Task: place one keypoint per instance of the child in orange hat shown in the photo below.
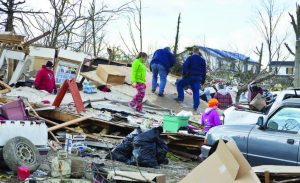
(211, 118)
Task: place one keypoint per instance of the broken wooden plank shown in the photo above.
(186, 145)
(66, 116)
(68, 123)
(184, 154)
(113, 136)
(54, 137)
(4, 85)
(99, 144)
(173, 138)
(4, 91)
(67, 128)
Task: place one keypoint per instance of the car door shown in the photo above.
(278, 143)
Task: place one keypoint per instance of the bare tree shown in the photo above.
(177, 68)
(134, 24)
(296, 27)
(269, 17)
(259, 53)
(92, 32)
(14, 9)
(67, 19)
(177, 35)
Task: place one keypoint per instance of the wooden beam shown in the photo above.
(64, 116)
(10, 68)
(54, 137)
(4, 91)
(68, 123)
(267, 177)
(67, 128)
(4, 85)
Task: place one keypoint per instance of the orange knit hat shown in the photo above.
(213, 102)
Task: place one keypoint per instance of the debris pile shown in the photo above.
(87, 118)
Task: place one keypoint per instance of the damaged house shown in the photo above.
(224, 60)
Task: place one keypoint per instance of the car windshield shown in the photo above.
(286, 119)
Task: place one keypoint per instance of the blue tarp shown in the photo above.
(226, 54)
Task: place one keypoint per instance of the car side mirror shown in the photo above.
(260, 122)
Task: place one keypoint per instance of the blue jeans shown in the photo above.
(158, 69)
(195, 83)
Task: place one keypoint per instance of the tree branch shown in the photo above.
(293, 23)
(289, 49)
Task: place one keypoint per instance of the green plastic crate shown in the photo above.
(173, 123)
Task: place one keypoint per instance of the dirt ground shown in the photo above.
(174, 170)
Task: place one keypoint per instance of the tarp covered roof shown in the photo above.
(226, 54)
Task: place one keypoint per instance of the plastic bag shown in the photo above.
(123, 151)
(145, 148)
(161, 152)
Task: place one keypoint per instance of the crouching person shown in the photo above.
(210, 117)
(45, 80)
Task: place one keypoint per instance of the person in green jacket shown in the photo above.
(138, 79)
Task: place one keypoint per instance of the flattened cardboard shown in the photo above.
(158, 178)
(225, 165)
(110, 74)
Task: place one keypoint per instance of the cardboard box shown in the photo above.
(110, 74)
(226, 165)
(158, 178)
(74, 141)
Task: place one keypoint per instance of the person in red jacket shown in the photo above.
(45, 80)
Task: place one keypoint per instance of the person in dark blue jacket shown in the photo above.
(194, 74)
(160, 64)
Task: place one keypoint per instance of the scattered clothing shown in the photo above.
(104, 88)
(244, 97)
(207, 93)
(224, 98)
(45, 80)
(253, 90)
(210, 118)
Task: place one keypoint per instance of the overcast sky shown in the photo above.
(221, 24)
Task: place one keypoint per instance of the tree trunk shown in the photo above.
(297, 65)
(296, 26)
(140, 22)
(57, 22)
(260, 52)
(177, 35)
(9, 26)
